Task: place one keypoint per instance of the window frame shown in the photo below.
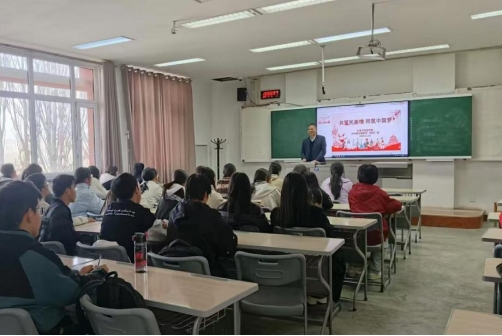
(74, 102)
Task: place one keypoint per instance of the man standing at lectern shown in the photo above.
(314, 147)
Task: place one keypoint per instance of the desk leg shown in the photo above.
(495, 298)
(364, 273)
(237, 318)
(419, 225)
(330, 299)
(196, 325)
(393, 249)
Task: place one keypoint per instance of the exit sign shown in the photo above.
(271, 94)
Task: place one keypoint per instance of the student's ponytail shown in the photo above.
(336, 182)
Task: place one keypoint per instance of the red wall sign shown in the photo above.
(271, 94)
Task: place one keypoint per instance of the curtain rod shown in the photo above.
(49, 53)
(150, 71)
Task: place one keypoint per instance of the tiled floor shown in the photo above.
(443, 272)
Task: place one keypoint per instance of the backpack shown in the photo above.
(110, 292)
(180, 249)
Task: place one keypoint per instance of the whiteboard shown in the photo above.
(256, 134)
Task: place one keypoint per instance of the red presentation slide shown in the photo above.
(369, 130)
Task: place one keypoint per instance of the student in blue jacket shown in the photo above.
(34, 278)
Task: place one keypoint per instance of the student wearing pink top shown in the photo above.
(337, 186)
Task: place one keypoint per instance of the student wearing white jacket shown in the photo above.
(215, 199)
(96, 186)
(151, 190)
(267, 194)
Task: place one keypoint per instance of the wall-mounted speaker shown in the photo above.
(242, 94)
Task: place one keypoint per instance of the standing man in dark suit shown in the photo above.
(314, 147)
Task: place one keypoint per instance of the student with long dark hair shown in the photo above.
(366, 197)
(337, 186)
(151, 190)
(319, 196)
(239, 212)
(172, 193)
(137, 171)
(267, 194)
(296, 210)
(222, 185)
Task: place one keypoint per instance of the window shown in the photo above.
(47, 111)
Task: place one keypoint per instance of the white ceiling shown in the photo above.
(57, 25)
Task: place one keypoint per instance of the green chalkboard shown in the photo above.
(441, 127)
(289, 128)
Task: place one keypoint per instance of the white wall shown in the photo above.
(474, 183)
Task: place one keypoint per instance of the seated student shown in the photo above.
(366, 197)
(57, 223)
(40, 181)
(151, 190)
(137, 171)
(222, 185)
(239, 211)
(267, 194)
(126, 216)
(337, 186)
(275, 170)
(297, 211)
(86, 199)
(319, 197)
(196, 223)
(34, 168)
(34, 278)
(301, 169)
(173, 193)
(9, 174)
(215, 198)
(96, 186)
(110, 174)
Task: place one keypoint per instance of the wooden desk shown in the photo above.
(89, 228)
(317, 246)
(490, 274)
(342, 207)
(494, 218)
(351, 223)
(289, 244)
(71, 262)
(400, 191)
(183, 292)
(463, 322)
(492, 236)
(406, 199)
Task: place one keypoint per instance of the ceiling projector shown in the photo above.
(372, 51)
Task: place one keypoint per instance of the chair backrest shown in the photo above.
(55, 246)
(105, 321)
(271, 270)
(15, 321)
(198, 265)
(300, 231)
(116, 253)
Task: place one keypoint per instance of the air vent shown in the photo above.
(225, 79)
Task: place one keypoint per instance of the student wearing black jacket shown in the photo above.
(319, 196)
(239, 212)
(296, 210)
(126, 216)
(57, 224)
(200, 226)
(34, 278)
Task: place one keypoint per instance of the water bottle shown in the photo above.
(140, 260)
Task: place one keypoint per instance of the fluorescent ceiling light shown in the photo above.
(406, 51)
(351, 35)
(342, 59)
(282, 46)
(219, 19)
(290, 5)
(486, 15)
(190, 60)
(102, 43)
(293, 66)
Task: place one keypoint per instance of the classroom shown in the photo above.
(272, 167)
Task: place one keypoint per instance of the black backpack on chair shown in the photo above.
(111, 292)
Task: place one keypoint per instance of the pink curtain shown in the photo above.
(161, 119)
